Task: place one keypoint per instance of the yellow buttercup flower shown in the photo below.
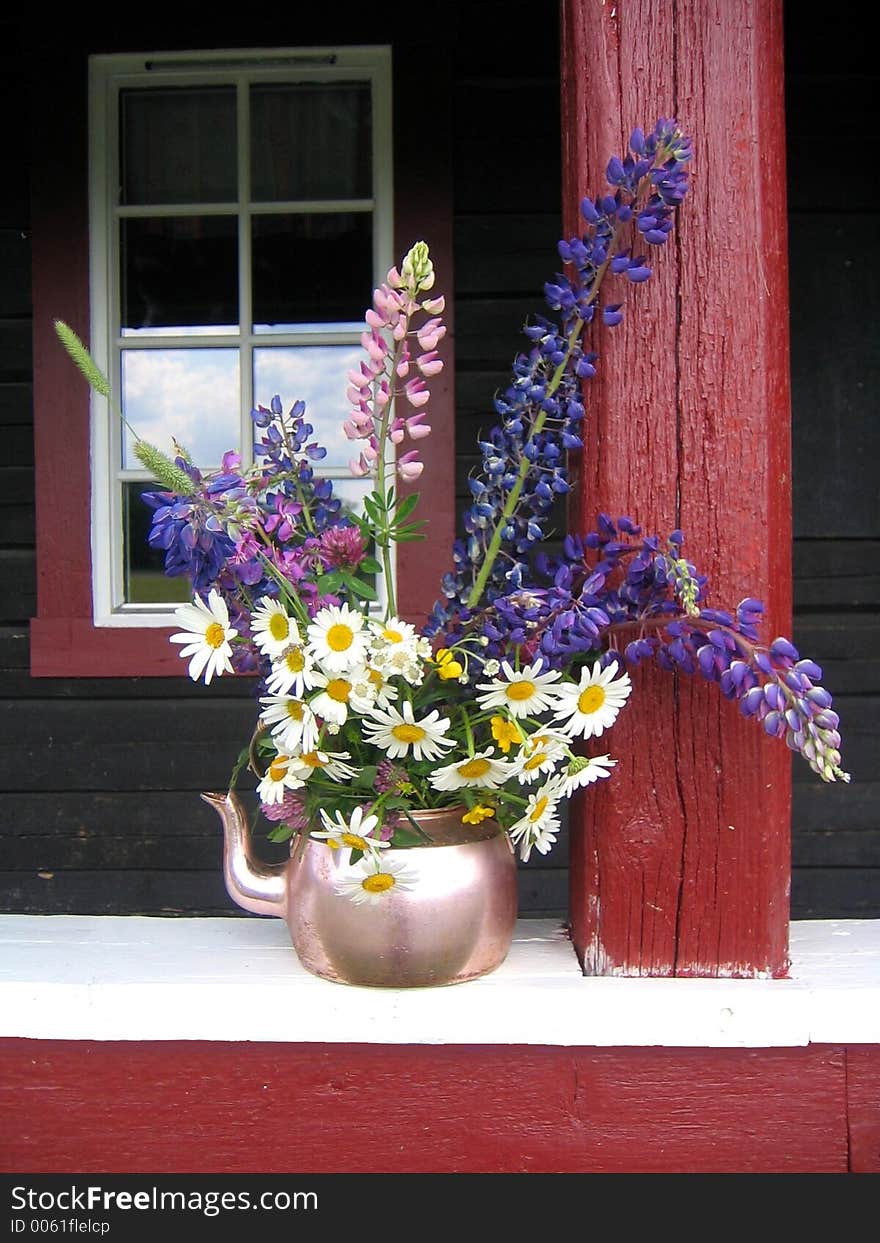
(505, 732)
(448, 667)
(477, 815)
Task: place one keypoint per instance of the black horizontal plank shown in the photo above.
(18, 445)
(829, 573)
(845, 646)
(133, 764)
(835, 893)
(15, 350)
(135, 892)
(17, 526)
(15, 264)
(809, 193)
(836, 847)
(822, 807)
(18, 585)
(16, 404)
(195, 722)
(488, 331)
(507, 254)
(17, 485)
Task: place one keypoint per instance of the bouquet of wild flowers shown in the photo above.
(363, 721)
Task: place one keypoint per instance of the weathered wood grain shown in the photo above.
(151, 1107)
(682, 866)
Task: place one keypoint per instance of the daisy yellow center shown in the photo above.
(354, 841)
(535, 762)
(375, 677)
(215, 635)
(519, 691)
(279, 626)
(380, 882)
(393, 636)
(312, 759)
(540, 808)
(474, 768)
(295, 710)
(408, 733)
(295, 660)
(340, 637)
(278, 768)
(591, 699)
(339, 689)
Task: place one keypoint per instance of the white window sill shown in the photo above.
(136, 978)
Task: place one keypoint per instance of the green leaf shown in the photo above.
(360, 588)
(281, 833)
(406, 506)
(370, 565)
(406, 539)
(329, 582)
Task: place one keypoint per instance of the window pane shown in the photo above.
(312, 269)
(178, 145)
(317, 375)
(179, 274)
(145, 578)
(311, 141)
(189, 395)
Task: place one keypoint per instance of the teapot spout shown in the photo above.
(255, 886)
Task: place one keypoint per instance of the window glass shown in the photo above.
(311, 141)
(311, 269)
(179, 274)
(178, 145)
(191, 396)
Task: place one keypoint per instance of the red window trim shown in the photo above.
(64, 640)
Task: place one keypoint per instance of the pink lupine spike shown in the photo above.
(417, 393)
(374, 319)
(396, 437)
(434, 306)
(417, 431)
(430, 364)
(408, 467)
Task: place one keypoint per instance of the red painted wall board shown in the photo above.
(863, 1107)
(265, 1108)
(680, 864)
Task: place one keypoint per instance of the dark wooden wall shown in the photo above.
(100, 777)
(834, 245)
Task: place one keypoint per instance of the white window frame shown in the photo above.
(241, 67)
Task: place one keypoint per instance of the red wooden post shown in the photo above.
(680, 864)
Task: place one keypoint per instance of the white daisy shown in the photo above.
(272, 629)
(583, 772)
(355, 833)
(393, 633)
(478, 770)
(540, 754)
(206, 633)
(399, 734)
(292, 722)
(539, 824)
(337, 638)
(374, 879)
(278, 779)
(587, 708)
(524, 693)
(330, 763)
(384, 692)
(334, 700)
(292, 672)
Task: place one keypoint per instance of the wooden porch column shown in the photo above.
(680, 864)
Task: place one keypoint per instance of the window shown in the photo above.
(240, 216)
(84, 625)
